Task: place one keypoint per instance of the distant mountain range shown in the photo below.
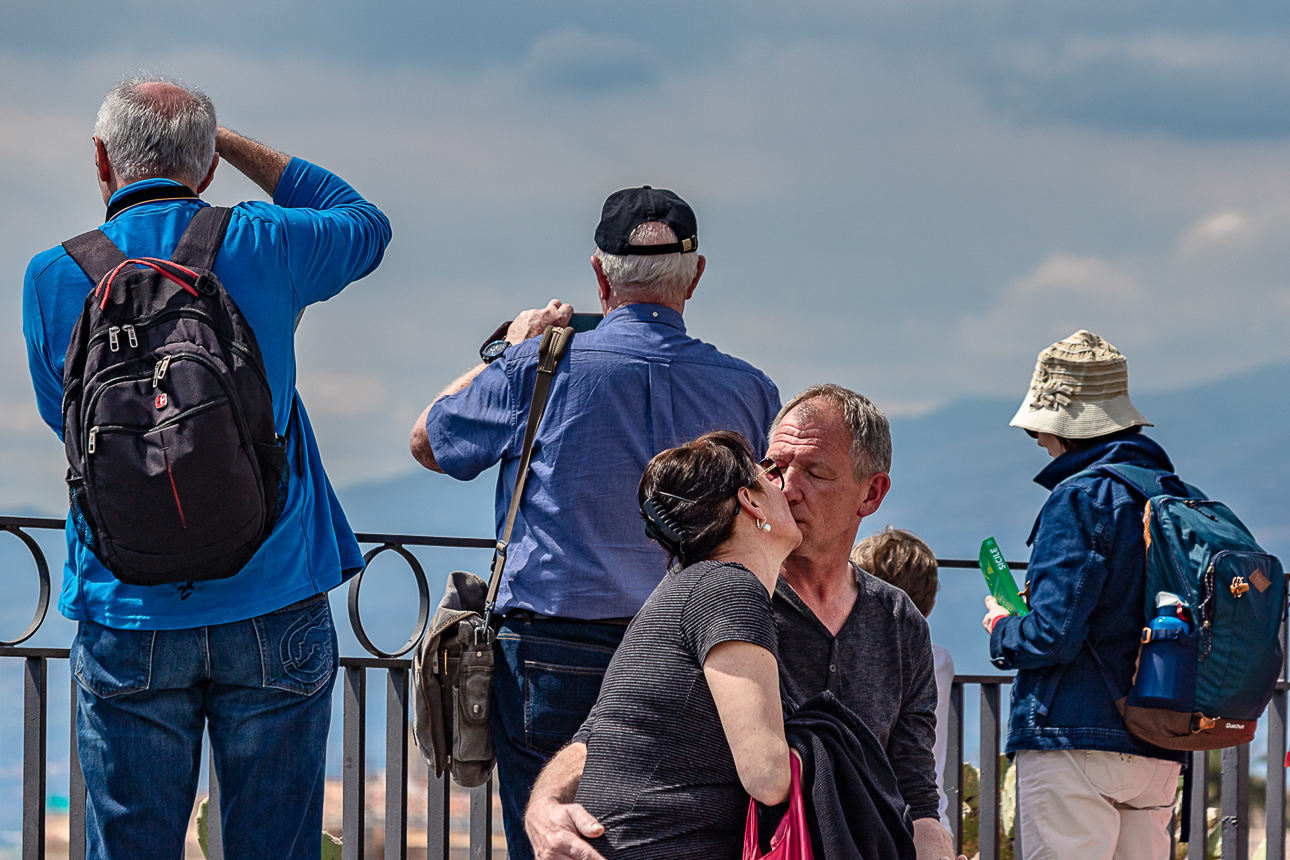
(960, 474)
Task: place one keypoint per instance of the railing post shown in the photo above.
(1199, 811)
(437, 812)
(214, 814)
(1236, 803)
(481, 821)
(34, 709)
(953, 776)
(353, 794)
(988, 801)
(1276, 797)
(1275, 837)
(396, 764)
(75, 792)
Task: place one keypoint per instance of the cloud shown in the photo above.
(867, 216)
(1224, 229)
(1060, 295)
(1180, 311)
(573, 61)
(1064, 273)
(1202, 86)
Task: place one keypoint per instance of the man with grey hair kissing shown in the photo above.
(579, 565)
(840, 629)
(852, 634)
(246, 652)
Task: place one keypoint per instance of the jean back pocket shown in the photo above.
(111, 662)
(297, 646)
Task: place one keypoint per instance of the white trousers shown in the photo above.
(1095, 805)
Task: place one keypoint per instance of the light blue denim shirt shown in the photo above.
(634, 386)
(316, 237)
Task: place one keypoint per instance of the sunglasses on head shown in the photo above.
(771, 470)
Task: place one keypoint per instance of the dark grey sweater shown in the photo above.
(879, 666)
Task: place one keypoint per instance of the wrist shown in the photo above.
(540, 804)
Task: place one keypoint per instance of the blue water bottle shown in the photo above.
(1167, 664)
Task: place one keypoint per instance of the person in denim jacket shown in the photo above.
(1088, 789)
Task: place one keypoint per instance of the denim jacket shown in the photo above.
(1087, 575)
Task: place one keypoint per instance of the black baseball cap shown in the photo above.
(625, 210)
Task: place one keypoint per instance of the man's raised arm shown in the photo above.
(259, 163)
(555, 824)
(527, 324)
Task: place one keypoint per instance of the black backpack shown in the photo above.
(175, 471)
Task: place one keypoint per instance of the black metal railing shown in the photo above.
(1233, 792)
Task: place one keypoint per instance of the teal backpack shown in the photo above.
(1220, 667)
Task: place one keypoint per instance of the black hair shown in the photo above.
(688, 495)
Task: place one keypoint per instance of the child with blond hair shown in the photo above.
(900, 557)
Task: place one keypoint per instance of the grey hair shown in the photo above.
(870, 430)
(650, 278)
(148, 135)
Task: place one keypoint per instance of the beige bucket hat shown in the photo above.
(1080, 390)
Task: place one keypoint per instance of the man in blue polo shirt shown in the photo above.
(252, 657)
(579, 565)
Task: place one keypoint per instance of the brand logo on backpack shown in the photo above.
(210, 474)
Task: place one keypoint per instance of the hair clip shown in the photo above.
(670, 496)
(661, 525)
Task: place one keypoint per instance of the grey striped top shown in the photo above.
(660, 775)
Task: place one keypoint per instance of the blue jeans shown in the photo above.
(262, 687)
(546, 679)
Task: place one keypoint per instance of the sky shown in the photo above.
(909, 198)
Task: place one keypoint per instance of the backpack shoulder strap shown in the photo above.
(1046, 700)
(202, 238)
(95, 253)
(1147, 482)
(1112, 687)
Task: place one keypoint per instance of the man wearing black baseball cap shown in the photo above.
(579, 565)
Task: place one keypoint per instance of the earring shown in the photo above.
(763, 525)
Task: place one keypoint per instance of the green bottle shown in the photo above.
(999, 579)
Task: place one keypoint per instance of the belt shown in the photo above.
(534, 618)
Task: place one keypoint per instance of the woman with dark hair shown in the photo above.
(689, 724)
